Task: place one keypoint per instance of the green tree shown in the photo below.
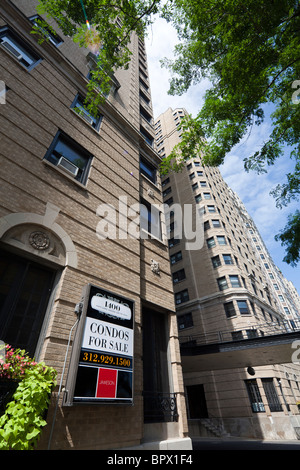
(104, 26)
(250, 52)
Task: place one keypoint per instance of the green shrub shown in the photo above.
(23, 420)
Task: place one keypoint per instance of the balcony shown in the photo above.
(260, 344)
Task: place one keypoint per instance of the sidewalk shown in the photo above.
(235, 443)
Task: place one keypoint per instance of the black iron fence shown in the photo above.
(160, 407)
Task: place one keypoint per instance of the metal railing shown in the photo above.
(160, 407)
(258, 330)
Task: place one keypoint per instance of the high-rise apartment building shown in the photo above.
(227, 291)
(68, 270)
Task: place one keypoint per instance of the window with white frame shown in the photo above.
(222, 283)
(80, 108)
(46, 30)
(18, 48)
(234, 280)
(150, 219)
(69, 156)
(243, 307)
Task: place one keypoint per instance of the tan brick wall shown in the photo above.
(38, 104)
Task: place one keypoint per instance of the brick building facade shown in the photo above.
(60, 170)
(228, 291)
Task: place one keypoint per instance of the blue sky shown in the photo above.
(253, 189)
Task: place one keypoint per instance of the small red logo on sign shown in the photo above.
(107, 383)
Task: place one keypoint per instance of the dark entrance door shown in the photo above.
(157, 405)
(25, 289)
(196, 401)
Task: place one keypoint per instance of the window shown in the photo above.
(182, 296)
(206, 225)
(46, 30)
(192, 176)
(221, 240)
(113, 85)
(251, 333)
(144, 84)
(144, 98)
(167, 191)
(211, 208)
(69, 156)
(185, 321)
(254, 288)
(207, 195)
(178, 276)
(169, 201)
(216, 223)
(145, 115)
(234, 280)
(173, 241)
(148, 170)
(166, 181)
(243, 307)
(281, 298)
(254, 396)
(229, 309)
(210, 242)
(150, 219)
(148, 138)
(227, 259)
(216, 261)
(237, 335)
(79, 107)
(176, 257)
(194, 186)
(222, 283)
(271, 395)
(198, 198)
(203, 184)
(18, 48)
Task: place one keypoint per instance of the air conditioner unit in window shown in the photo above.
(11, 49)
(67, 166)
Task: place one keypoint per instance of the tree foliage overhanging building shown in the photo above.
(250, 52)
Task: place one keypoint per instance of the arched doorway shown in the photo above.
(34, 250)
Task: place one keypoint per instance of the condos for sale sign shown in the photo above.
(101, 369)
